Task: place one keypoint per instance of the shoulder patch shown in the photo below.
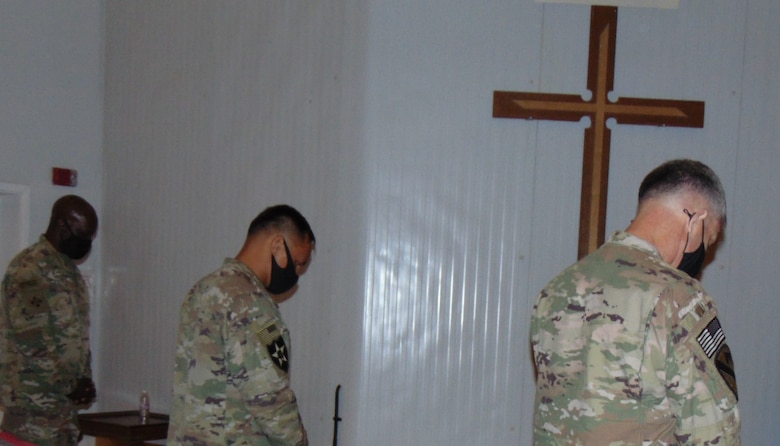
(713, 341)
(272, 339)
(711, 338)
(725, 365)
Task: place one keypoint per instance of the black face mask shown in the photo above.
(75, 247)
(282, 279)
(692, 262)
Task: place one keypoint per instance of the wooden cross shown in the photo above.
(571, 107)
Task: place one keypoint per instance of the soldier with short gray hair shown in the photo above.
(627, 344)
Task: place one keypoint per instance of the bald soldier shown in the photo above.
(231, 382)
(45, 369)
(627, 344)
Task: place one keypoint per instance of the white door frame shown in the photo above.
(14, 230)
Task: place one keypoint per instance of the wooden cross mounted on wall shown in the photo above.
(571, 107)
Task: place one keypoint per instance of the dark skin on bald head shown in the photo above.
(71, 216)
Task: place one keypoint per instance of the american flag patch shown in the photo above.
(711, 338)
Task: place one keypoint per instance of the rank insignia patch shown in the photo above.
(274, 342)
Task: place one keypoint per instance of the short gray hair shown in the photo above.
(681, 175)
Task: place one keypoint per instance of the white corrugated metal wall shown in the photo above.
(436, 223)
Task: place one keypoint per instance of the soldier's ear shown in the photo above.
(278, 250)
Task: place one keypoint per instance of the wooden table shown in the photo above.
(123, 428)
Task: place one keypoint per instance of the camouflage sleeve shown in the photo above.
(700, 376)
(70, 322)
(259, 366)
(48, 329)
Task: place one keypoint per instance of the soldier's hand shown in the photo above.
(83, 392)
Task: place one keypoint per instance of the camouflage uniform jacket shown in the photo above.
(629, 351)
(231, 384)
(44, 344)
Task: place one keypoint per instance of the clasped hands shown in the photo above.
(83, 392)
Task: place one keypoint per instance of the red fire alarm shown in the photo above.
(64, 177)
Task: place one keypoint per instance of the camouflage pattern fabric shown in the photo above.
(231, 384)
(44, 345)
(629, 351)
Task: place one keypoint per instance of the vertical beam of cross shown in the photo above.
(596, 145)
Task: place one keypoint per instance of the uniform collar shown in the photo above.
(53, 249)
(627, 239)
(242, 268)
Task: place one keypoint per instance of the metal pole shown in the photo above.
(336, 418)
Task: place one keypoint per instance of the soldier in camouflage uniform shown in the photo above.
(627, 343)
(45, 370)
(231, 383)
